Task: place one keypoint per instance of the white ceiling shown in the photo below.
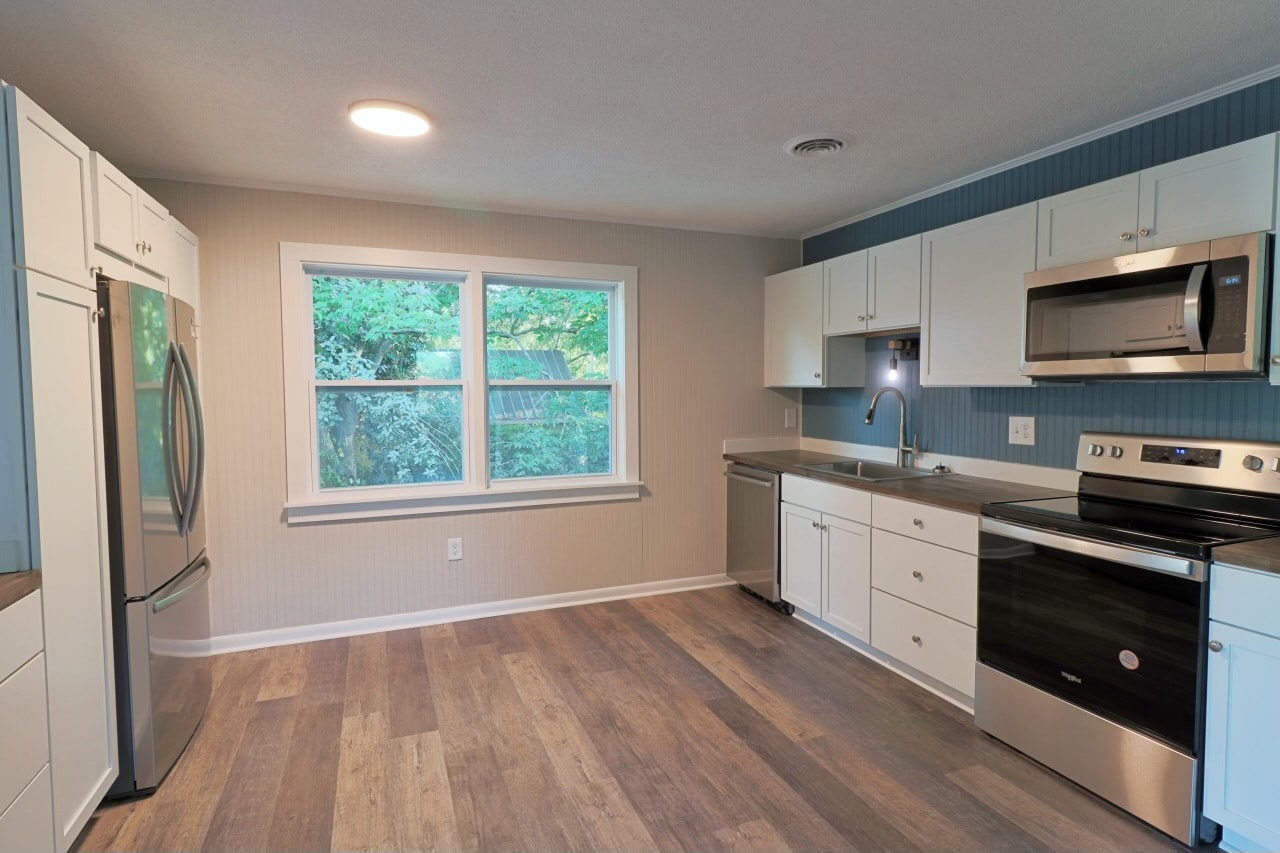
(667, 112)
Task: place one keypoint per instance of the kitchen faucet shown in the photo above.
(903, 447)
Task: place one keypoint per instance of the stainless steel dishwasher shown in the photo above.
(753, 532)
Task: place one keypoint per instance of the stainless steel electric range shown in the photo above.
(1093, 615)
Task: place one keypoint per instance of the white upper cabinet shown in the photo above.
(1097, 221)
(1219, 193)
(873, 290)
(127, 222)
(796, 352)
(846, 298)
(893, 295)
(52, 200)
(184, 265)
(971, 301)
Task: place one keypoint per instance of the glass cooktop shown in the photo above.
(1149, 527)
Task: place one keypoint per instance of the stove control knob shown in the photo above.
(1275, 464)
(1095, 450)
(1253, 463)
(1116, 451)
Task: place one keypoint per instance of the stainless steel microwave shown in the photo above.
(1194, 309)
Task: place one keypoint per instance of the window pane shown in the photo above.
(379, 438)
(375, 328)
(549, 432)
(546, 332)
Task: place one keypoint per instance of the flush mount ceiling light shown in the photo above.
(389, 118)
(818, 144)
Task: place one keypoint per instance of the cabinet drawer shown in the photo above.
(946, 527)
(1245, 598)
(846, 502)
(21, 633)
(929, 575)
(24, 737)
(939, 647)
(27, 825)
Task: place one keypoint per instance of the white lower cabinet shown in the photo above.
(26, 807)
(1242, 730)
(939, 647)
(66, 409)
(25, 826)
(826, 558)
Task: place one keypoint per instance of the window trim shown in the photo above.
(306, 502)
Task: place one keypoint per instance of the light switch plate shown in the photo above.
(789, 418)
(1022, 430)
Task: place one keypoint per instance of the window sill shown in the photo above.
(339, 508)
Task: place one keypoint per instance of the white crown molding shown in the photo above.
(1124, 124)
(376, 624)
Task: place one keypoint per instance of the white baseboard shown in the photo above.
(375, 624)
(938, 689)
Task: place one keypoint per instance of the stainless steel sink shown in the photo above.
(861, 469)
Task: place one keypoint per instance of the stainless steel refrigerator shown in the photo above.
(155, 451)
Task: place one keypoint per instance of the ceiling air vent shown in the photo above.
(817, 145)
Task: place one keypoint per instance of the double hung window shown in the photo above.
(421, 382)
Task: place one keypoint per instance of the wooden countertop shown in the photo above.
(952, 491)
(15, 586)
(1260, 554)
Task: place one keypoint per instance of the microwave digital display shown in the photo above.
(1229, 280)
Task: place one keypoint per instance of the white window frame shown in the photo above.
(307, 502)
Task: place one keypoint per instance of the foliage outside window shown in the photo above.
(423, 383)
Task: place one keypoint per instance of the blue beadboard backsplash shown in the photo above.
(975, 421)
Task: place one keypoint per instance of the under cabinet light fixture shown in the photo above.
(389, 118)
(904, 348)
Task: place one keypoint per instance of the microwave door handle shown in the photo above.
(1191, 305)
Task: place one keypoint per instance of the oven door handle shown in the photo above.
(1194, 569)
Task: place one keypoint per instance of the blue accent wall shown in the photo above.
(974, 421)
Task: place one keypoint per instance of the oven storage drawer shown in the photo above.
(1245, 598)
(939, 647)
(938, 578)
(946, 527)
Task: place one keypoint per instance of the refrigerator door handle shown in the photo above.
(199, 570)
(193, 441)
(191, 389)
(170, 439)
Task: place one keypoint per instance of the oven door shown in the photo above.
(1111, 629)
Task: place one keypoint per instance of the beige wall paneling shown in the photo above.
(701, 340)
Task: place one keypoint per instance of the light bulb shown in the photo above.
(893, 373)
(893, 366)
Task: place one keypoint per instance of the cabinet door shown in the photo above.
(115, 202)
(793, 327)
(184, 265)
(1219, 193)
(802, 558)
(893, 298)
(53, 193)
(1242, 748)
(846, 588)
(71, 500)
(971, 304)
(1093, 222)
(846, 301)
(153, 234)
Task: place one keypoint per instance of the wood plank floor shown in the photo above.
(691, 721)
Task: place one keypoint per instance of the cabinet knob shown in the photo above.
(1215, 646)
(1125, 237)
(1144, 232)
(817, 375)
(97, 314)
(1275, 359)
(871, 316)
(918, 523)
(815, 525)
(915, 638)
(918, 575)
(138, 246)
(862, 317)
(824, 527)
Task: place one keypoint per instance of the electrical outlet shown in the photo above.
(1022, 430)
(455, 549)
(789, 418)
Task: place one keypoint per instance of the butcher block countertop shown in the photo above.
(15, 586)
(952, 491)
(1261, 554)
